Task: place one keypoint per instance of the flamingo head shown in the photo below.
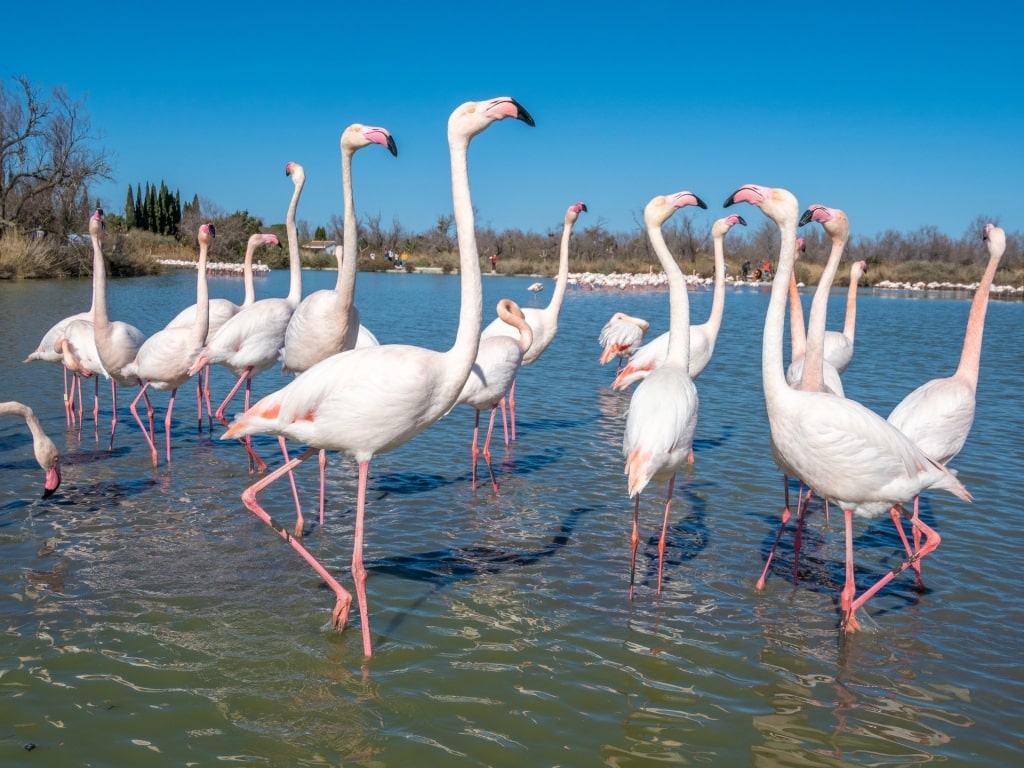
(49, 459)
(778, 204)
(574, 211)
(857, 270)
(296, 171)
(96, 223)
(662, 207)
(357, 136)
(206, 232)
(471, 118)
(723, 225)
(995, 238)
(832, 220)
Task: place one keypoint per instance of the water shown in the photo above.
(148, 618)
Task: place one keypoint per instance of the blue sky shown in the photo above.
(905, 115)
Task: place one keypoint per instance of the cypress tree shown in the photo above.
(129, 209)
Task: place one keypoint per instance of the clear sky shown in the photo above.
(905, 115)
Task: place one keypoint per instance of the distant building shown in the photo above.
(319, 246)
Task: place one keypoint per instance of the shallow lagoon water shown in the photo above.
(149, 619)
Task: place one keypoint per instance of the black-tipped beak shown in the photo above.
(741, 220)
(392, 147)
(700, 203)
(522, 114)
(806, 217)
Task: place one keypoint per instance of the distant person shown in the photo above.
(746, 270)
(494, 262)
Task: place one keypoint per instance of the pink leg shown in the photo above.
(916, 564)
(358, 571)
(167, 423)
(846, 603)
(664, 531)
(199, 398)
(476, 445)
(931, 543)
(254, 458)
(220, 410)
(67, 394)
(634, 541)
(323, 485)
(96, 405)
(344, 598)
(206, 395)
(798, 536)
(778, 535)
(113, 414)
(149, 438)
(487, 448)
(512, 408)
(504, 419)
(300, 523)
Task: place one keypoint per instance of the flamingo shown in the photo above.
(535, 288)
(938, 415)
(117, 342)
(164, 360)
(847, 453)
(77, 345)
(327, 321)
(662, 415)
(543, 322)
(621, 337)
(46, 452)
(494, 370)
(221, 310)
(702, 337)
(809, 371)
(365, 402)
(250, 342)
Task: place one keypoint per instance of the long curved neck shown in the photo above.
(797, 335)
(714, 321)
(467, 339)
(202, 323)
(850, 324)
(970, 356)
(813, 376)
(562, 280)
(250, 289)
(678, 352)
(347, 267)
(772, 373)
(14, 408)
(99, 285)
(294, 259)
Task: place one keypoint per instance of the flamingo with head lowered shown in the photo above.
(368, 401)
(47, 455)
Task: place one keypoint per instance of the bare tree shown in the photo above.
(46, 159)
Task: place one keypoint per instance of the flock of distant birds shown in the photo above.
(354, 395)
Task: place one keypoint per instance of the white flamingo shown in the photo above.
(117, 342)
(497, 362)
(848, 454)
(621, 336)
(365, 402)
(702, 337)
(543, 322)
(662, 416)
(77, 345)
(47, 455)
(250, 342)
(221, 310)
(164, 360)
(938, 415)
(327, 321)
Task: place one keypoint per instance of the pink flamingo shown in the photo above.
(47, 455)
(117, 342)
(250, 342)
(164, 360)
(662, 416)
(495, 368)
(847, 453)
(221, 310)
(702, 337)
(77, 345)
(938, 415)
(367, 401)
(621, 336)
(543, 322)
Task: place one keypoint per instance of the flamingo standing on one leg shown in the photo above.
(46, 452)
(221, 310)
(662, 415)
(847, 453)
(250, 342)
(543, 322)
(117, 342)
(164, 360)
(702, 337)
(494, 370)
(367, 401)
(620, 337)
(938, 415)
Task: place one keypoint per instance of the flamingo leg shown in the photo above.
(798, 536)
(487, 448)
(206, 395)
(358, 571)
(167, 423)
(149, 438)
(323, 484)
(476, 446)
(931, 543)
(254, 459)
(512, 408)
(846, 604)
(96, 406)
(504, 420)
(199, 399)
(339, 617)
(664, 531)
(778, 534)
(634, 541)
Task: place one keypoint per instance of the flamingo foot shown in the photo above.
(339, 618)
